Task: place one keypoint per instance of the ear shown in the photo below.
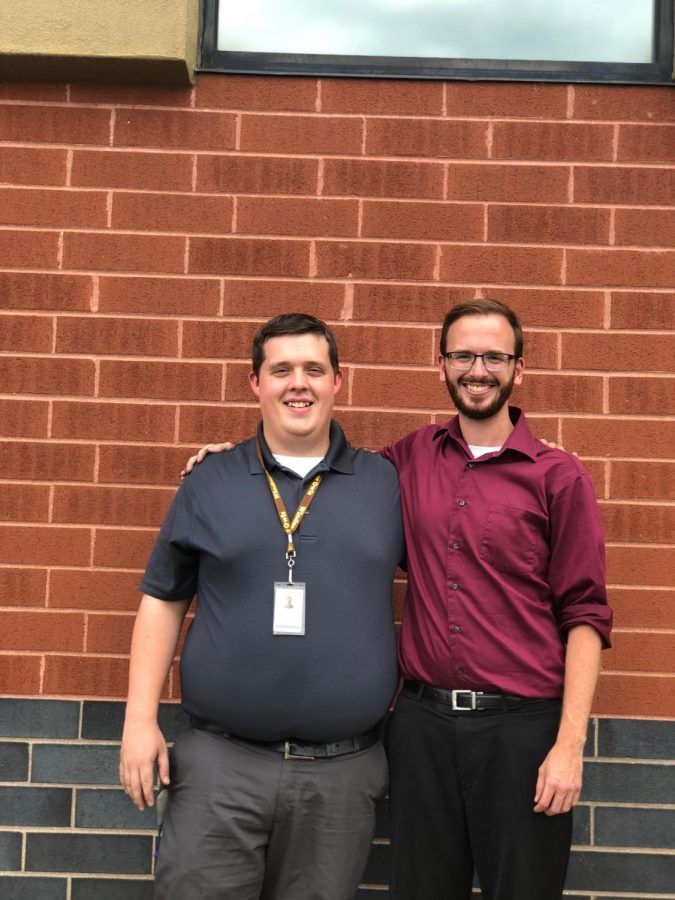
(441, 368)
(518, 370)
(254, 382)
(338, 380)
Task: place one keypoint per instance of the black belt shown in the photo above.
(464, 701)
(296, 748)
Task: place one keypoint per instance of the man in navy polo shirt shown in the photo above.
(291, 542)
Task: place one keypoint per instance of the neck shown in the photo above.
(303, 445)
(491, 432)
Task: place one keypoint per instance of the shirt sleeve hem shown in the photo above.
(602, 628)
(161, 594)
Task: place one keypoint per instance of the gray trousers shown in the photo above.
(244, 824)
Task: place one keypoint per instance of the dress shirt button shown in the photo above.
(455, 545)
(461, 670)
(455, 586)
(456, 629)
(462, 502)
(472, 465)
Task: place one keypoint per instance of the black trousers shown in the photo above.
(462, 793)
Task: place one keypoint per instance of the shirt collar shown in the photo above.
(521, 440)
(339, 456)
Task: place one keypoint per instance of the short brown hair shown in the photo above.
(485, 307)
(292, 323)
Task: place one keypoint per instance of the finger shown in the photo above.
(544, 801)
(556, 805)
(132, 789)
(163, 766)
(201, 454)
(539, 789)
(147, 786)
(562, 803)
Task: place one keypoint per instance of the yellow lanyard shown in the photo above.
(290, 526)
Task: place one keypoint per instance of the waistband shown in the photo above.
(297, 748)
(466, 701)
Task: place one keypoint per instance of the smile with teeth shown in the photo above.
(474, 388)
(298, 404)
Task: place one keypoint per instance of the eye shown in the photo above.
(462, 357)
(496, 358)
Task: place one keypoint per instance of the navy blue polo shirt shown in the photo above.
(222, 539)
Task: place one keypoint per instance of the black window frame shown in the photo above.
(234, 61)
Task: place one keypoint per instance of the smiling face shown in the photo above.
(477, 393)
(296, 388)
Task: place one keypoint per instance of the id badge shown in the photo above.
(289, 608)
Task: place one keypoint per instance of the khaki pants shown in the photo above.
(244, 824)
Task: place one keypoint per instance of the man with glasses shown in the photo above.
(505, 617)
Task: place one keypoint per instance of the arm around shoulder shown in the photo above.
(153, 647)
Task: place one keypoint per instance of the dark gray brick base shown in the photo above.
(16, 887)
(68, 831)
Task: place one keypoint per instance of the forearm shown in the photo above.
(559, 779)
(153, 647)
(582, 667)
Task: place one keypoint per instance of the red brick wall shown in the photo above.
(144, 234)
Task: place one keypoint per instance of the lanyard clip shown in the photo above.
(290, 559)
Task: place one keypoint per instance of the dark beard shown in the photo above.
(500, 398)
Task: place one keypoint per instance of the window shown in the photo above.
(622, 41)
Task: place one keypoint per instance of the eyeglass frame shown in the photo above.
(448, 355)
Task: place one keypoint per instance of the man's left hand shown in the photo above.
(559, 781)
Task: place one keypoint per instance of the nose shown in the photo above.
(298, 378)
(478, 361)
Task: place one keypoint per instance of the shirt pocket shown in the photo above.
(513, 539)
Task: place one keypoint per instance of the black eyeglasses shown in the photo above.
(493, 362)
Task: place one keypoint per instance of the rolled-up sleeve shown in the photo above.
(577, 566)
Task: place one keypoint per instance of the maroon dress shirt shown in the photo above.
(505, 555)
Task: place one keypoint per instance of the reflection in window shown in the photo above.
(571, 30)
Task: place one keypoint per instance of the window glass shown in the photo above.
(570, 30)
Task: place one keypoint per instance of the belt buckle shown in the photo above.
(289, 755)
(471, 696)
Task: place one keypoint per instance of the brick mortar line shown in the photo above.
(640, 587)
(636, 673)
(333, 279)
(254, 321)
(638, 501)
(631, 851)
(270, 195)
(159, 149)
(149, 831)
(78, 230)
(319, 114)
(65, 568)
